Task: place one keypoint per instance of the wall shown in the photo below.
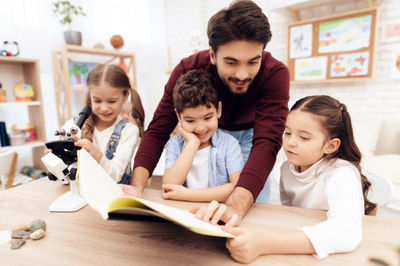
(141, 24)
(377, 99)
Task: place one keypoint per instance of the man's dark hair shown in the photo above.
(194, 89)
(242, 20)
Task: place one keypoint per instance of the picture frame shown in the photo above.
(78, 72)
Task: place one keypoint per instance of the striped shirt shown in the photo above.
(225, 156)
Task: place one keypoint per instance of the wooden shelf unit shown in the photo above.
(63, 88)
(30, 75)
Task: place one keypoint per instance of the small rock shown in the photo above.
(38, 234)
(17, 243)
(37, 224)
(20, 234)
(21, 227)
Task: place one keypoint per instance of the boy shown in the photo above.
(202, 163)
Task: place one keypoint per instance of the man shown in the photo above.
(254, 90)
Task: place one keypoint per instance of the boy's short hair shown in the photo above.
(243, 20)
(193, 89)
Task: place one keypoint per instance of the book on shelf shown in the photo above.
(106, 197)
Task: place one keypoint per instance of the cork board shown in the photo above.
(337, 48)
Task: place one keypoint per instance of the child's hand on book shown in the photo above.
(174, 191)
(89, 147)
(246, 246)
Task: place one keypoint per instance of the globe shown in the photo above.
(117, 41)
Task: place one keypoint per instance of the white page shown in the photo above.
(95, 185)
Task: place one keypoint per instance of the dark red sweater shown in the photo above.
(264, 107)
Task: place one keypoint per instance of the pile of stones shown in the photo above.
(35, 230)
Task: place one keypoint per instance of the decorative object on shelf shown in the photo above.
(66, 11)
(23, 92)
(99, 45)
(10, 48)
(78, 72)
(117, 41)
(4, 139)
(3, 98)
(27, 129)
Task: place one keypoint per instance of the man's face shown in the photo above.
(238, 62)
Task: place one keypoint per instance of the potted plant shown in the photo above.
(65, 10)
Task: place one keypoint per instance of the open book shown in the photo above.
(105, 196)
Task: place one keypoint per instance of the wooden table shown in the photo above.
(84, 238)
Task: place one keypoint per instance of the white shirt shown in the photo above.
(198, 174)
(334, 186)
(123, 154)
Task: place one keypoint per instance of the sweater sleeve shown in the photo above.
(342, 231)
(269, 124)
(160, 128)
(123, 154)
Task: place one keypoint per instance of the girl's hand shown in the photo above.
(246, 246)
(188, 136)
(47, 151)
(89, 147)
(174, 191)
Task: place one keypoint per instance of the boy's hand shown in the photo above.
(89, 147)
(188, 136)
(246, 246)
(174, 191)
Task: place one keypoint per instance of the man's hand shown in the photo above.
(230, 213)
(140, 175)
(174, 191)
(131, 190)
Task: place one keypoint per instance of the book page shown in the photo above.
(172, 214)
(95, 185)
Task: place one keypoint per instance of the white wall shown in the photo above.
(378, 98)
(141, 24)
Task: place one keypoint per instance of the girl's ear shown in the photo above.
(219, 111)
(213, 59)
(332, 145)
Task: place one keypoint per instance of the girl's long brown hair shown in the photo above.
(336, 121)
(115, 77)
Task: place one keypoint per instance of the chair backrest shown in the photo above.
(8, 160)
(381, 190)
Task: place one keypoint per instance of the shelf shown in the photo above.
(26, 145)
(16, 104)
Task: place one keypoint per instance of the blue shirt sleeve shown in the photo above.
(234, 157)
(172, 153)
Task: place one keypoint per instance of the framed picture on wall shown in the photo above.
(78, 72)
(391, 32)
(337, 48)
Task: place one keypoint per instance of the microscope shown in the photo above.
(61, 163)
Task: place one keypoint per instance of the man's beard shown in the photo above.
(246, 81)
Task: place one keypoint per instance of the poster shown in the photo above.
(395, 64)
(344, 34)
(312, 68)
(349, 65)
(301, 41)
(391, 32)
(78, 72)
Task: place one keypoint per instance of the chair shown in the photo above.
(8, 165)
(381, 190)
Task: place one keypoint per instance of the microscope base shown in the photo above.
(68, 202)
